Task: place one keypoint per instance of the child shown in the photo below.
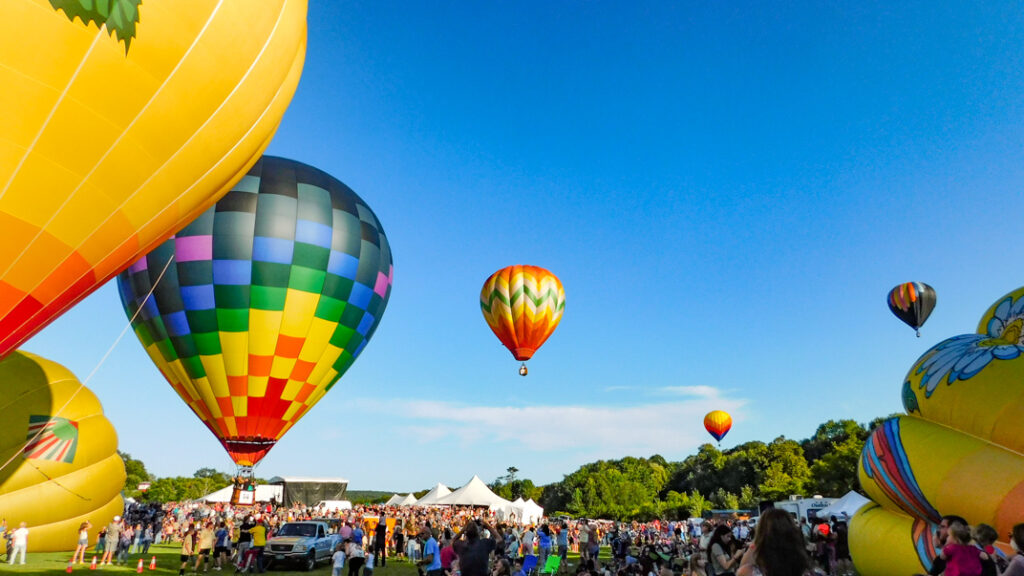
(338, 560)
(368, 566)
(961, 558)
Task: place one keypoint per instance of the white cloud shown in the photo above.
(700, 391)
(665, 427)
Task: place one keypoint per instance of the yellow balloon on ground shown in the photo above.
(959, 451)
(120, 122)
(63, 464)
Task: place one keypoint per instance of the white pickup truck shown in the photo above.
(303, 543)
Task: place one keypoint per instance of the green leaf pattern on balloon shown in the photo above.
(119, 16)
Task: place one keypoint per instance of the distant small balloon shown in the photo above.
(718, 424)
(912, 302)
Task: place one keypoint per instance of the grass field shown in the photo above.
(167, 564)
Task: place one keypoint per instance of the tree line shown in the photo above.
(735, 479)
(634, 488)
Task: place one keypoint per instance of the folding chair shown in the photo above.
(552, 565)
(529, 563)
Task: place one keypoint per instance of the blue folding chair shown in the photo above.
(529, 563)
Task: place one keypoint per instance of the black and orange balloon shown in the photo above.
(912, 302)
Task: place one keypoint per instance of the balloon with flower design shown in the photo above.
(959, 450)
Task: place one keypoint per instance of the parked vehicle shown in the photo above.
(303, 543)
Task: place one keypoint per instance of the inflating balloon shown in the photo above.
(912, 302)
(718, 424)
(956, 452)
(121, 122)
(523, 305)
(263, 302)
(58, 454)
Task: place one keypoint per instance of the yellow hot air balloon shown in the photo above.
(119, 123)
(58, 452)
(958, 451)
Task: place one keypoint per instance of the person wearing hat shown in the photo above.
(111, 539)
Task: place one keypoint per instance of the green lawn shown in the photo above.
(167, 564)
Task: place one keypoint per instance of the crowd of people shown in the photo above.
(453, 541)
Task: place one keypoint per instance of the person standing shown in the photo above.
(259, 542)
(338, 560)
(355, 555)
(188, 547)
(431, 559)
(474, 551)
(83, 543)
(19, 543)
(110, 540)
(380, 541)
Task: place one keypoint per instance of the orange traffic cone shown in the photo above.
(93, 565)
(152, 563)
(71, 565)
(138, 570)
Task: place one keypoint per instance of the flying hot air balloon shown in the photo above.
(119, 124)
(912, 302)
(718, 424)
(261, 305)
(523, 305)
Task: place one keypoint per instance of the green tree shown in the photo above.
(830, 434)
(136, 474)
(784, 472)
(835, 473)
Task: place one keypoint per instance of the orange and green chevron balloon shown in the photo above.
(268, 299)
(522, 305)
(120, 121)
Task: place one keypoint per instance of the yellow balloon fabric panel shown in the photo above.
(61, 451)
(109, 144)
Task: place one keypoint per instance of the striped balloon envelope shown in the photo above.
(718, 424)
(522, 305)
(264, 301)
(912, 303)
(121, 122)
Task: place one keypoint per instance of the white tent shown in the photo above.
(474, 493)
(409, 500)
(264, 492)
(847, 505)
(394, 500)
(532, 512)
(436, 493)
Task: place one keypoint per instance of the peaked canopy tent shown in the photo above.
(847, 505)
(436, 493)
(409, 500)
(264, 493)
(394, 500)
(474, 493)
(310, 491)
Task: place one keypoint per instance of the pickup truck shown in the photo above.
(303, 543)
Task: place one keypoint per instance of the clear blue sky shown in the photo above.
(726, 190)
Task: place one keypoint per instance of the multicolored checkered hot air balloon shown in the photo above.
(912, 302)
(268, 299)
(718, 424)
(119, 123)
(522, 305)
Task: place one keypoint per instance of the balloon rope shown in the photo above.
(82, 384)
(69, 490)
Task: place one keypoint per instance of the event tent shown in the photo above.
(409, 500)
(848, 505)
(264, 493)
(474, 493)
(436, 493)
(394, 500)
(309, 491)
(532, 512)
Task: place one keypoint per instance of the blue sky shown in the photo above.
(726, 190)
